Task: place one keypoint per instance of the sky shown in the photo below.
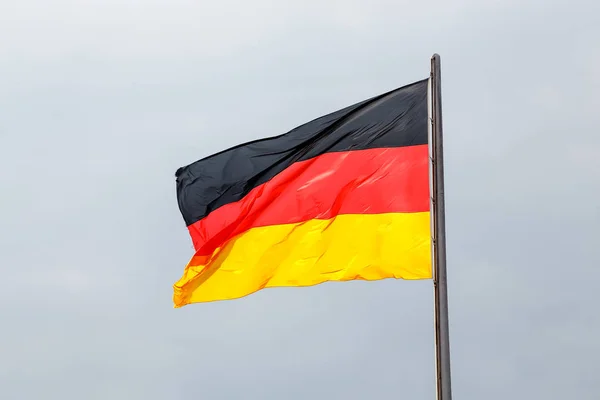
(101, 102)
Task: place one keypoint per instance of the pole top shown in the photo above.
(435, 65)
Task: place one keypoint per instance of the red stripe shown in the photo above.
(355, 182)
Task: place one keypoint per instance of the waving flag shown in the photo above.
(343, 197)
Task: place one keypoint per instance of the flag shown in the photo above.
(343, 197)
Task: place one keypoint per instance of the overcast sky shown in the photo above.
(101, 101)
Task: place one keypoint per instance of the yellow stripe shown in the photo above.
(347, 247)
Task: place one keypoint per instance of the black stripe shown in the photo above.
(394, 119)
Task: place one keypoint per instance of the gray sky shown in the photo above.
(101, 101)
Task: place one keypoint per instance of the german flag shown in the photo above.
(343, 197)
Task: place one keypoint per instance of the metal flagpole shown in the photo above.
(442, 337)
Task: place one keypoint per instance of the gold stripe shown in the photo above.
(347, 247)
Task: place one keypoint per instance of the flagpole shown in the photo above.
(442, 336)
